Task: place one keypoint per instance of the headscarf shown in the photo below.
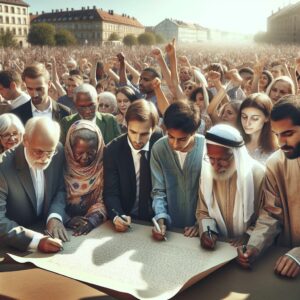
(85, 183)
(229, 137)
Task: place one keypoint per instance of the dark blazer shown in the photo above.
(106, 122)
(119, 175)
(18, 204)
(24, 111)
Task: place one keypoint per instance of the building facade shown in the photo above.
(92, 25)
(15, 18)
(181, 31)
(284, 25)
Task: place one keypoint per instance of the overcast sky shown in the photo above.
(246, 16)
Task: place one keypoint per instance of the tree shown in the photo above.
(42, 34)
(130, 40)
(64, 37)
(7, 39)
(146, 38)
(159, 39)
(114, 37)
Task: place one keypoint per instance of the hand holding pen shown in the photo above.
(159, 230)
(121, 222)
(49, 244)
(208, 239)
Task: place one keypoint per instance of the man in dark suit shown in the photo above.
(127, 178)
(85, 97)
(32, 189)
(37, 80)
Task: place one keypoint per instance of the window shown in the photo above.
(7, 20)
(25, 31)
(20, 31)
(6, 8)
(19, 10)
(14, 31)
(0, 8)
(19, 20)
(24, 21)
(12, 10)
(1, 19)
(24, 11)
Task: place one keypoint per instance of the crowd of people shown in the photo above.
(205, 139)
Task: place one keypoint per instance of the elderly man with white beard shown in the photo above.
(230, 189)
(32, 189)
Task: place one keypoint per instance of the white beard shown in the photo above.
(225, 175)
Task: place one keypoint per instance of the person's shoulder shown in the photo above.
(6, 159)
(107, 117)
(22, 107)
(63, 108)
(258, 169)
(117, 142)
(70, 119)
(160, 144)
(276, 158)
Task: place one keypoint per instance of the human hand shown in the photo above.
(246, 258)
(214, 76)
(121, 225)
(121, 57)
(80, 225)
(49, 245)
(235, 77)
(286, 266)
(207, 242)
(243, 240)
(183, 60)
(170, 48)
(57, 229)
(191, 231)
(156, 53)
(156, 82)
(159, 236)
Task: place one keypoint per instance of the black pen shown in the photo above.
(51, 235)
(209, 232)
(244, 248)
(118, 215)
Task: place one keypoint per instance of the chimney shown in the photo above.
(52, 10)
(61, 10)
(82, 8)
(67, 9)
(94, 7)
(43, 12)
(57, 10)
(87, 7)
(72, 9)
(112, 12)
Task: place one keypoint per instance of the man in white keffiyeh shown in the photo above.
(230, 188)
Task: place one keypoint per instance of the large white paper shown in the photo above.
(133, 262)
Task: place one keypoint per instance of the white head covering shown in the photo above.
(227, 136)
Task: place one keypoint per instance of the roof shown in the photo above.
(87, 14)
(184, 24)
(119, 19)
(290, 8)
(15, 2)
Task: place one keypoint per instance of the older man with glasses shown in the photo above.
(31, 192)
(85, 97)
(230, 189)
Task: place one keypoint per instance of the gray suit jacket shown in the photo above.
(18, 205)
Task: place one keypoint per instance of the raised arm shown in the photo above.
(55, 79)
(162, 101)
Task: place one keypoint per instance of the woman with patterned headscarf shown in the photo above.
(84, 177)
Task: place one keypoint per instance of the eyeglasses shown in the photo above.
(40, 153)
(102, 105)
(220, 161)
(188, 87)
(91, 107)
(7, 136)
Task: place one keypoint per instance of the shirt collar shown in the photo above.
(47, 110)
(135, 151)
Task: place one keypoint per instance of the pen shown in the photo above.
(209, 232)
(51, 235)
(122, 218)
(244, 248)
(157, 227)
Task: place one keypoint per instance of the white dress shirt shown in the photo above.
(136, 161)
(38, 180)
(181, 157)
(45, 113)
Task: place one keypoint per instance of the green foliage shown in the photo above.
(146, 38)
(7, 39)
(130, 40)
(64, 37)
(114, 37)
(42, 34)
(159, 39)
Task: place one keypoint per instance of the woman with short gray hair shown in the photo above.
(107, 103)
(11, 132)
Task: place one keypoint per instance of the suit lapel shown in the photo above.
(127, 160)
(24, 175)
(55, 111)
(48, 173)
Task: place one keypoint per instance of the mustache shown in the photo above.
(286, 148)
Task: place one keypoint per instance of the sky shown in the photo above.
(245, 16)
